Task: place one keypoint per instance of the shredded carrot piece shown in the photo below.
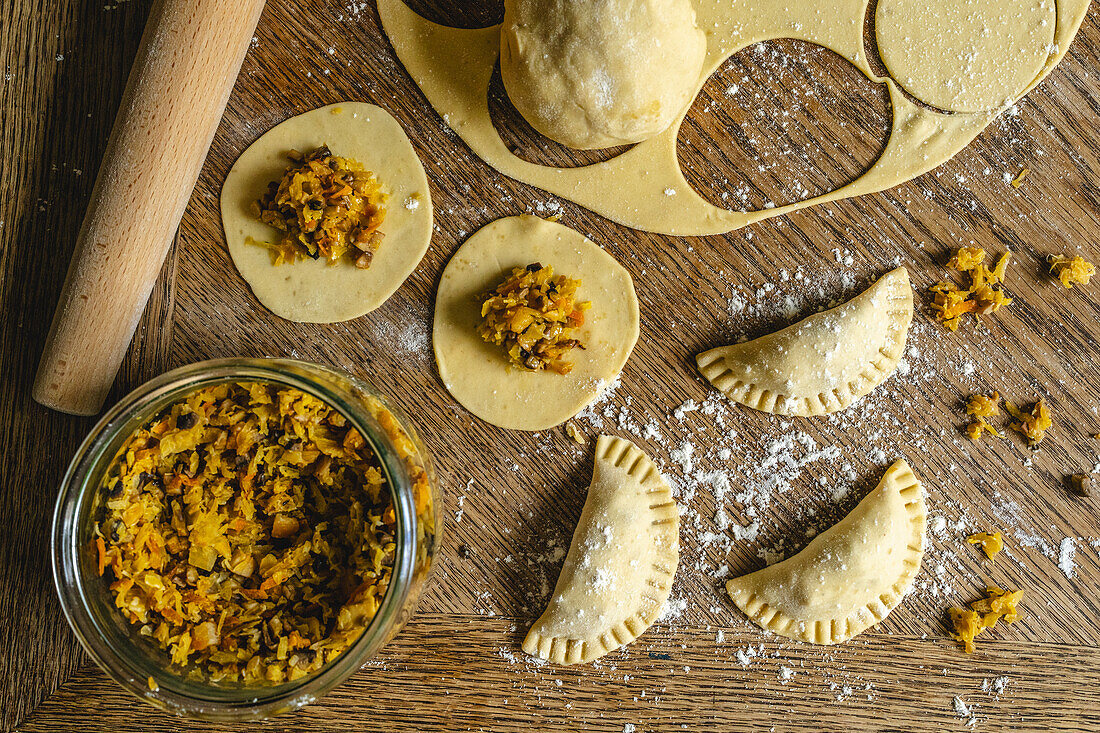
(101, 547)
(1071, 271)
(990, 542)
(979, 407)
(998, 605)
(983, 295)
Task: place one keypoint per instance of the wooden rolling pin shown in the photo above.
(190, 55)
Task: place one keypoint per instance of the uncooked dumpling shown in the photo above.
(823, 363)
(479, 375)
(619, 570)
(851, 575)
(600, 73)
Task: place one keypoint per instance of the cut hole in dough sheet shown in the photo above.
(619, 569)
(644, 187)
(313, 291)
(962, 55)
(478, 374)
(851, 575)
(822, 363)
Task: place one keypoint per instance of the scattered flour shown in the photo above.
(1066, 552)
(962, 710)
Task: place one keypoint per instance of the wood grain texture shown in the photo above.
(670, 678)
(774, 123)
(62, 71)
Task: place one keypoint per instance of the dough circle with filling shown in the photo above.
(965, 56)
(314, 291)
(600, 73)
(479, 375)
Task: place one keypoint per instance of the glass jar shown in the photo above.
(136, 663)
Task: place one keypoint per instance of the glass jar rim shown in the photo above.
(80, 482)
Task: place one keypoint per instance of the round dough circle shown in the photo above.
(478, 374)
(965, 55)
(314, 291)
(600, 73)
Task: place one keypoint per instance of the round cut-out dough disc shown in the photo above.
(478, 374)
(314, 291)
(965, 55)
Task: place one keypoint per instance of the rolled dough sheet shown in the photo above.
(644, 187)
(314, 291)
(478, 374)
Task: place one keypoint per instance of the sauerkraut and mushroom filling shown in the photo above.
(247, 531)
(325, 206)
(533, 315)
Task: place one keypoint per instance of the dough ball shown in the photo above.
(600, 73)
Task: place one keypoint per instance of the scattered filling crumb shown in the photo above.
(325, 206)
(574, 432)
(979, 407)
(533, 314)
(1032, 423)
(247, 531)
(990, 542)
(998, 605)
(1080, 484)
(983, 295)
(1071, 271)
(1019, 179)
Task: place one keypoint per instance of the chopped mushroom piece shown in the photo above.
(1031, 423)
(998, 605)
(990, 542)
(1081, 484)
(983, 295)
(1071, 271)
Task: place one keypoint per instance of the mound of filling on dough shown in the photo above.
(1071, 271)
(247, 531)
(983, 295)
(325, 206)
(532, 314)
(984, 614)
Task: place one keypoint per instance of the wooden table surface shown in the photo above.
(776, 122)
